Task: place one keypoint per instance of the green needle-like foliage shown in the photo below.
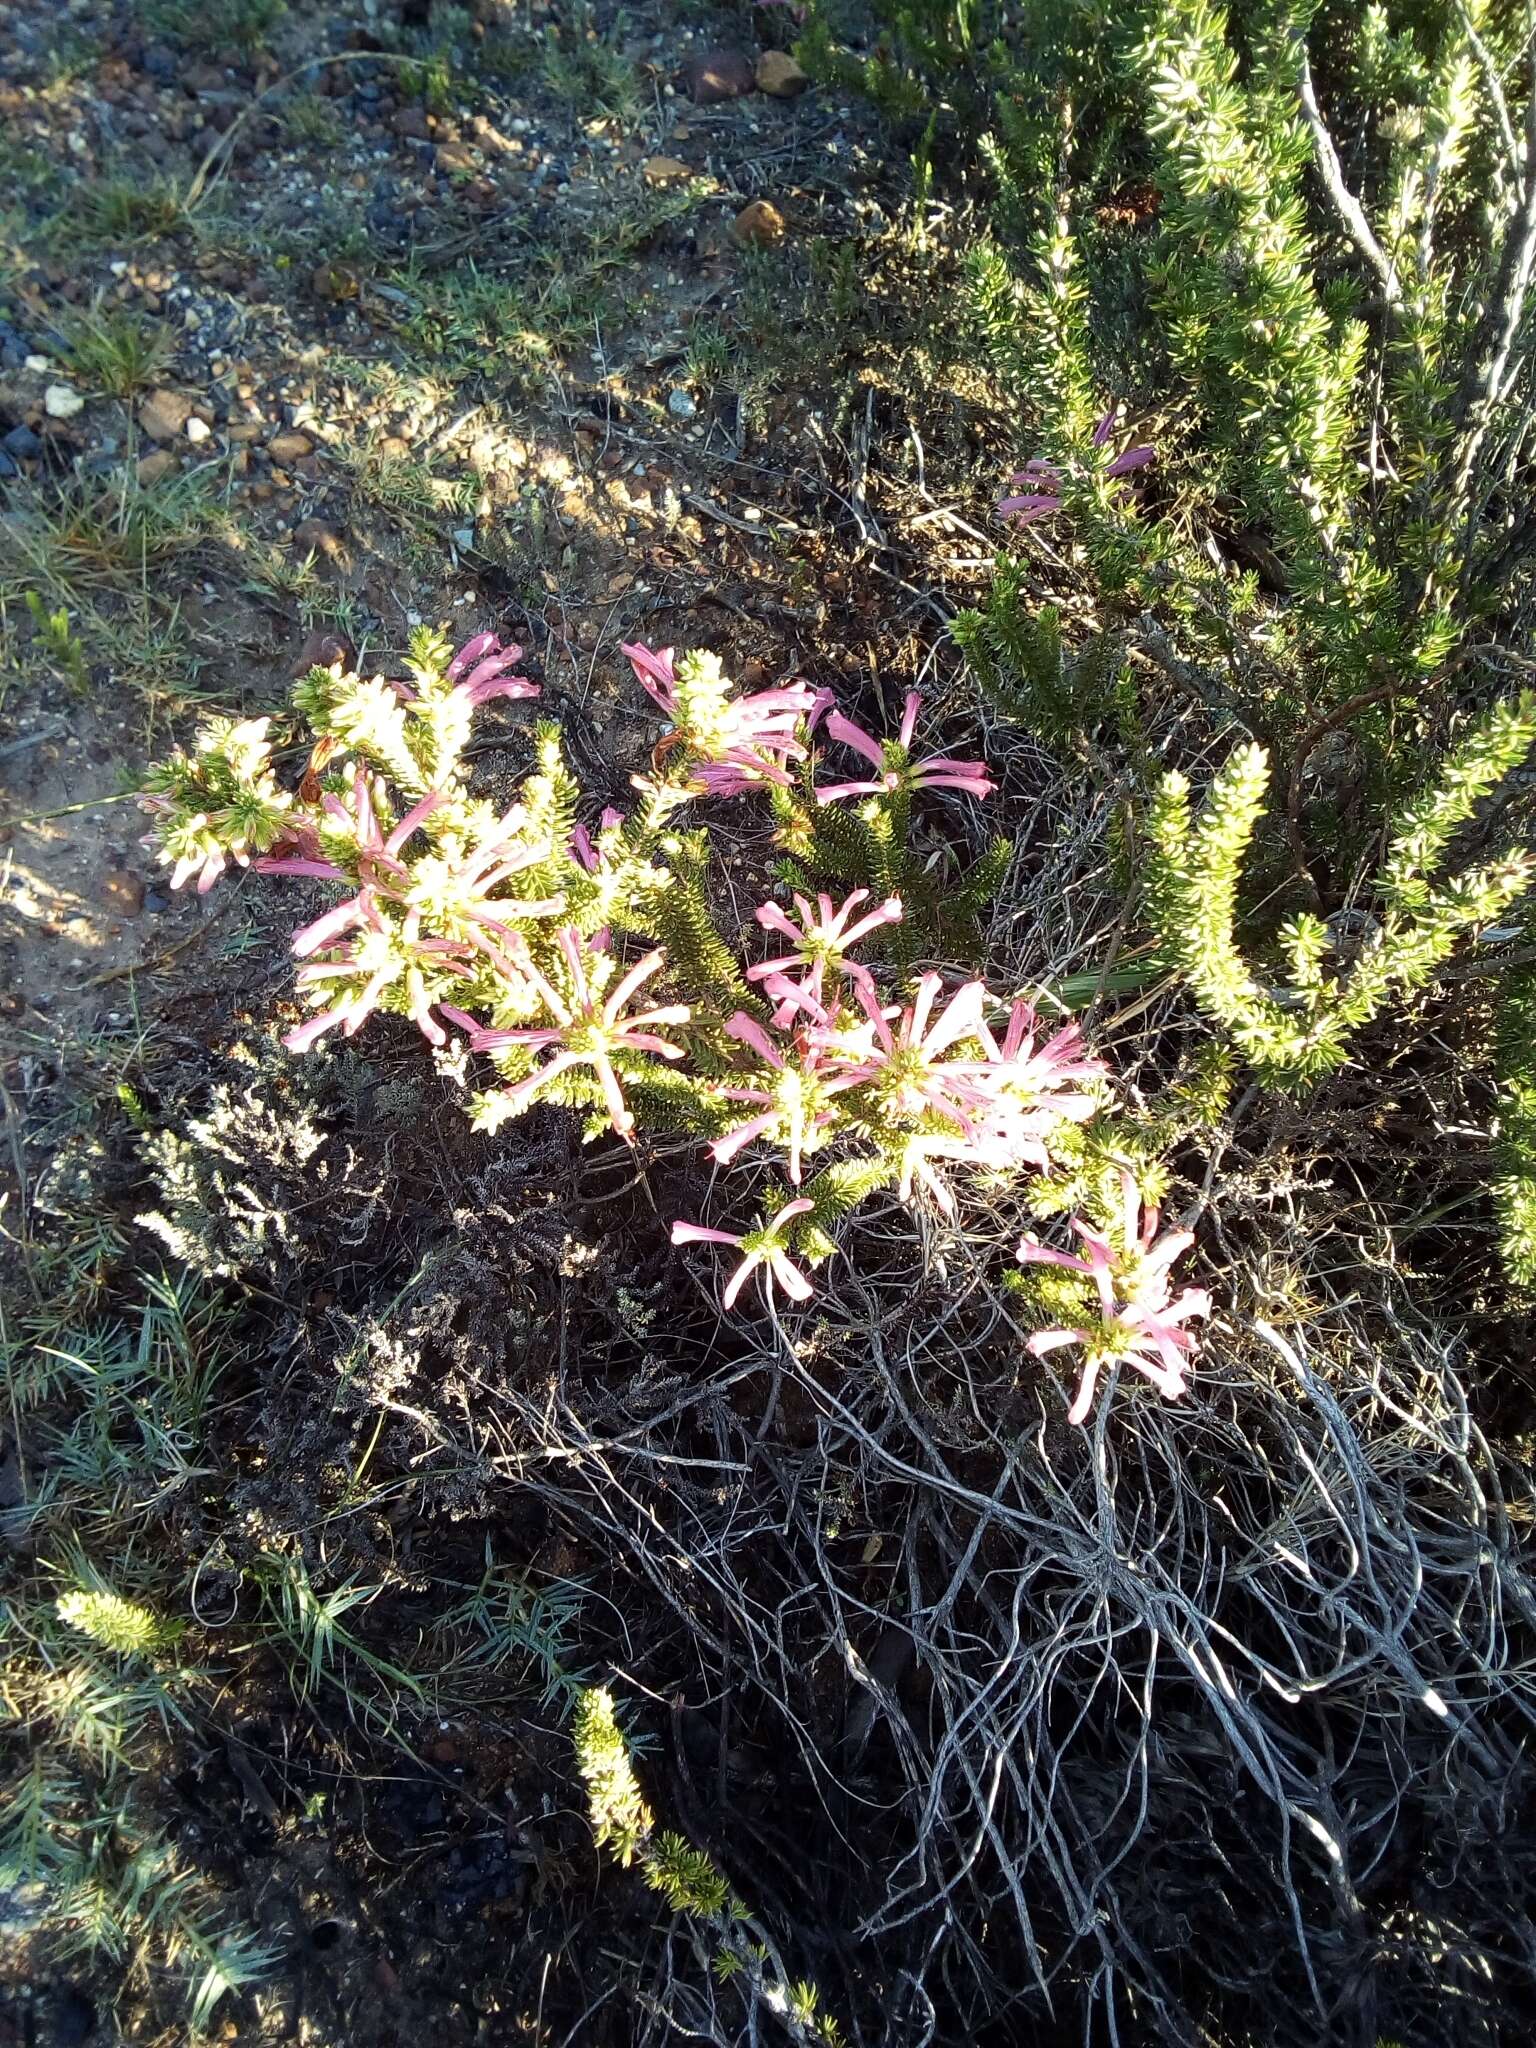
(1515, 1188)
(1302, 1028)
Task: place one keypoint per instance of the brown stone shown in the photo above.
(164, 413)
(314, 537)
(243, 430)
(411, 122)
(718, 75)
(664, 170)
(122, 892)
(333, 282)
(490, 137)
(758, 225)
(290, 447)
(322, 650)
(780, 76)
(155, 467)
(454, 159)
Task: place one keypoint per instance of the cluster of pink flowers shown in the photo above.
(1041, 495)
(930, 1070)
(893, 760)
(925, 1086)
(1141, 1319)
(739, 744)
(357, 945)
(743, 742)
(590, 1027)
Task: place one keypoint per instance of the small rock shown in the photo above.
(718, 75)
(453, 159)
(681, 405)
(164, 413)
(334, 282)
(155, 466)
(122, 892)
(197, 431)
(8, 467)
(38, 364)
(22, 443)
(314, 537)
(758, 225)
(779, 75)
(243, 430)
(664, 170)
(324, 649)
(60, 402)
(489, 136)
(290, 447)
(411, 122)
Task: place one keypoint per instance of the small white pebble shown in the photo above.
(197, 430)
(61, 403)
(38, 363)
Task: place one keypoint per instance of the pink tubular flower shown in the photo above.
(1142, 1320)
(793, 1104)
(738, 769)
(897, 769)
(589, 1029)
(761, 1248)
(654, 673)
(1042, 495)
(905, 1066)
(1024, 1076)
(820, 941)
(733, 743)
(479, 670)
(583, 847)
(589, 855)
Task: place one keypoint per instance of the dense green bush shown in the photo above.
(1309, 296)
